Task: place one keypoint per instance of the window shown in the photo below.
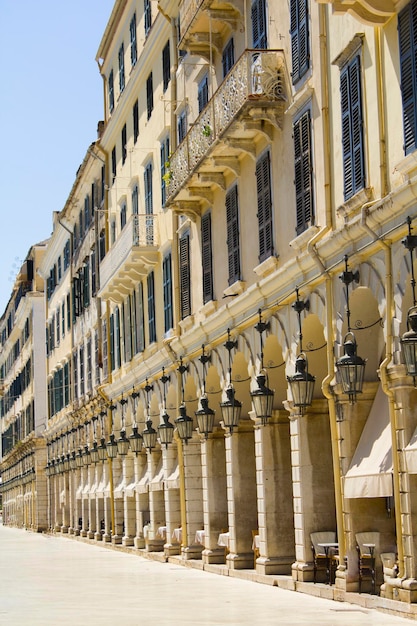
(103, 183)
(202, 93)
(228, 58)
(164, 168)
(139, 320)
(151, 308)
(121, 67)
(89, 366)
(113, 163)
(112, 231)
(85, 276)
(93, 273)
(135, 121)
(149, 95)
(299, 39)
(407, 32)
(127, 328)
(66, 255)
(105, 350)
(82, 379)
(303, 172)
(87, 213)
(135, 200)
(206, 257)
(58, 325)
(167, 286)
(123, 216)
(59, 266)
(263, 187)
(148, 189)
(185, 282)
(96, 360)
(133, 42)
(63, 319)
(182, 125)
(117, 340)
(233, 245)
(124, 142)
(352, 138)
(75, 370)
(111, 92)
(147, 15)
(166, 66)
(259, 40)
(102, 245)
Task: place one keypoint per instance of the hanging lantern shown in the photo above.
(86, 456)
(102, 450)
(409, 343)
(123, 444)
(351, 368)
(149, 436)
(135, 440)
(79, 458)
(166, 431)
(111, 446)
(301, 384)
(184, 424)
(205, 417)
(262, 399)
(94, 453)
(231, 410)
(73, 463)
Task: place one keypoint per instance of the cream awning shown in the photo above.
(157, 482)
(370, 472)
(410, 454)
(173, 480)
(142, 485)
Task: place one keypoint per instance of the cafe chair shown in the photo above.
(256, 552)
(367, 546)
(321, 561)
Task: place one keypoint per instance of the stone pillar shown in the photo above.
(107, 505)
(172, 498)
(274, 496)
(118, 473)
(241, 495)
(155, 543)
(128, 503)
(193, 497)
(84, 502)
(313, 484)
(141, 499)
(214, 483)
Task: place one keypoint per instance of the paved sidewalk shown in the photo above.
(55, 581)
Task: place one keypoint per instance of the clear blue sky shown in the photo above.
(51, 100)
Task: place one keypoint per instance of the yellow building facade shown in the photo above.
(237, 378)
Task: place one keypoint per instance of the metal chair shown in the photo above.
(367, 546)
(323, 560)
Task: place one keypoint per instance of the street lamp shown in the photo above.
(301, 382)
(166, 429)
(262, 396)
(231, 408)
(205, 415)
(184, 422)
(409, 339)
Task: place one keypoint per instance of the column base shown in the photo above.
(191, 552)
(98, 536)
(171, 549)
(90, 534)
(154, 545)
(64, 530)
(302, 572)
(116, 540)
(139, 543)
(83, 533)
(243, 560)
(127, 541)
(106, 538)
(274, 565)
(216, 556)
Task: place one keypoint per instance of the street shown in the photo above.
(52, 580)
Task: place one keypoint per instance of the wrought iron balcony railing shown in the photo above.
(257, 79)
(135, 251)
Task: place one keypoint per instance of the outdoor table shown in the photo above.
(199, 536)
(328, 548)
(224, 539)
(177, 535)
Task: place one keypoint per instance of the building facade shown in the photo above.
(253, 235)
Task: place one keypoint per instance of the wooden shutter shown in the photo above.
(185, 276)
(140, 320)
(263, 187)
(206, 250)
(233, 244)
(299, 38)
(151, 308)
(167, 287)
(352, 132)
(127, 329)
(303, 172)
(258, 11)
(407, 33)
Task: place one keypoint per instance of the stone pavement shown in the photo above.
(48, 580)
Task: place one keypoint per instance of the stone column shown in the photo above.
(172, 498)
(193, 497)
(141, 512)
(214, 483)
(156, 504)
(128, 503)
(241, 495)
(274, 496)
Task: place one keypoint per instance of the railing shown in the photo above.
(257, 76)
(188, 9)
(140, 232)
(21, 292)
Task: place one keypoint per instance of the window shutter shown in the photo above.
(151, 308)
(112, 351)
(407, 33)
(259, 40)
(127, 329)
(167, 286)
(206, 249)
(352, 137)
(185, 276)
(303, 172)
(263, 186)
(233, 246)
(140, 320)
(299, 38)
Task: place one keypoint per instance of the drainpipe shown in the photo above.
(385, 381)
(312, 250)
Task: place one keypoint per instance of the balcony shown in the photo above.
(131, 258)
(207, 23)
(372, 12)
(250, 100)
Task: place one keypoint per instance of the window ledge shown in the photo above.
(235, 289)
(299, 242)
(187, 323)
(208, 308)
(267, 266)
(352, 206)
(407, 167)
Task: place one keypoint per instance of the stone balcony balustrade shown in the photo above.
(250, 100)
(132, 257)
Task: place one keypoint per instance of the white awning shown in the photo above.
(157, 482)
(370, 472)
(173, 480)
(118, 492)
(142, 486)
(130, 489)
(103, 487)
(410, 454)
